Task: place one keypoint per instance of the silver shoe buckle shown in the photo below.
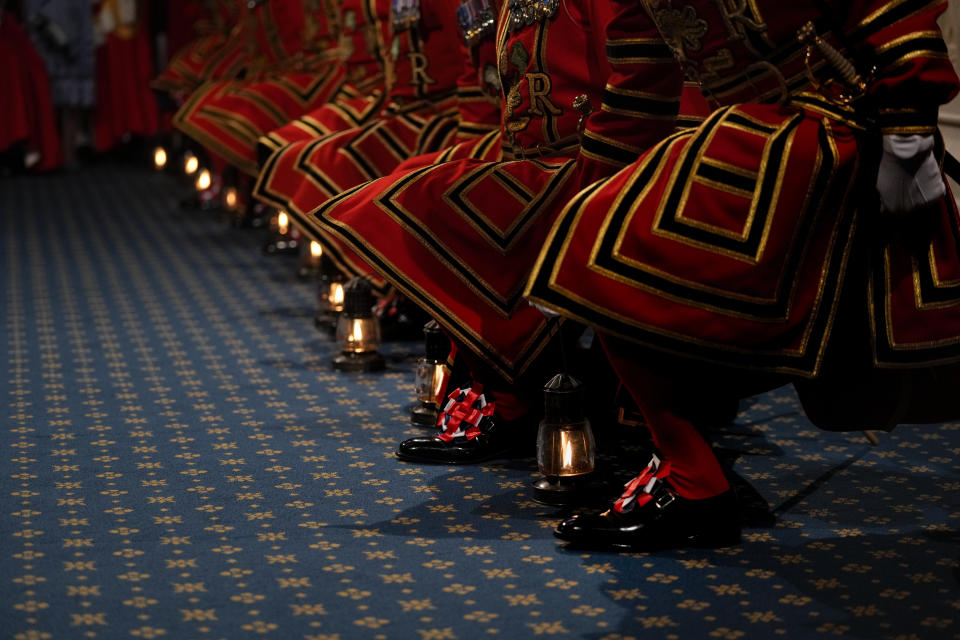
(663, 497)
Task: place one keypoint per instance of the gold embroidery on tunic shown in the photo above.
(682, 29)
(722, 60)
(737, 23)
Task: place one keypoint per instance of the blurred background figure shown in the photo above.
(125, 105)
(28, 130)
(62, 32)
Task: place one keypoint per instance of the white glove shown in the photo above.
(909, 176)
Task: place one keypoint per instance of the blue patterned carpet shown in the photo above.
(179, 461)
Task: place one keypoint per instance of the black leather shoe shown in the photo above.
(665, 522)
(504, 440)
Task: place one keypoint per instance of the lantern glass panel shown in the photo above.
(565, 450)
(431, 376)
(358, 335)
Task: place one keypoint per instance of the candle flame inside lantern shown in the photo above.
(159, 157)
(191, 164)
(356, 332)
(203, 180)
(315, 249)
(439, 379)
(431, 378)
(565, 450)
(358, 335)
(336, 296)
(230, 199)
(283, 223)
(567, 455)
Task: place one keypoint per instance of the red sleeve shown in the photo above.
(642, 95)
(913, 74)
(478, 100)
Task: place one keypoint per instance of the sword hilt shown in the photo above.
(807, 34)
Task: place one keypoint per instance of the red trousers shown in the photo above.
(673, 393)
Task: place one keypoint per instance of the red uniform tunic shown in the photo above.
(731, 242)
(476, 90)
(125, 104)
(312, 77)
(422, 116)
(460, 237)
(292, 68)
(366, 34)
(350, 110)
(26, 107)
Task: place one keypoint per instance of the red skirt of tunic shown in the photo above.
(232, 122)
(350, 107)
(125, 104)
(485, 148)
(301, 176)
(194, 122)
(731, 242)
(26, 107)
(460, 238)
(229, 117)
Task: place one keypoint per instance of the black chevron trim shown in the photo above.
(888, 18)
(927, 46)
(596, 147)
(309, 169)
(624, 52)
(640, 106)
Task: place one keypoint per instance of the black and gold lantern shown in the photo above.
(566, 448)
(284, 237)
(231, 200)
(329, 297)
(311, 258)
(358, 330)
(431, 376)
